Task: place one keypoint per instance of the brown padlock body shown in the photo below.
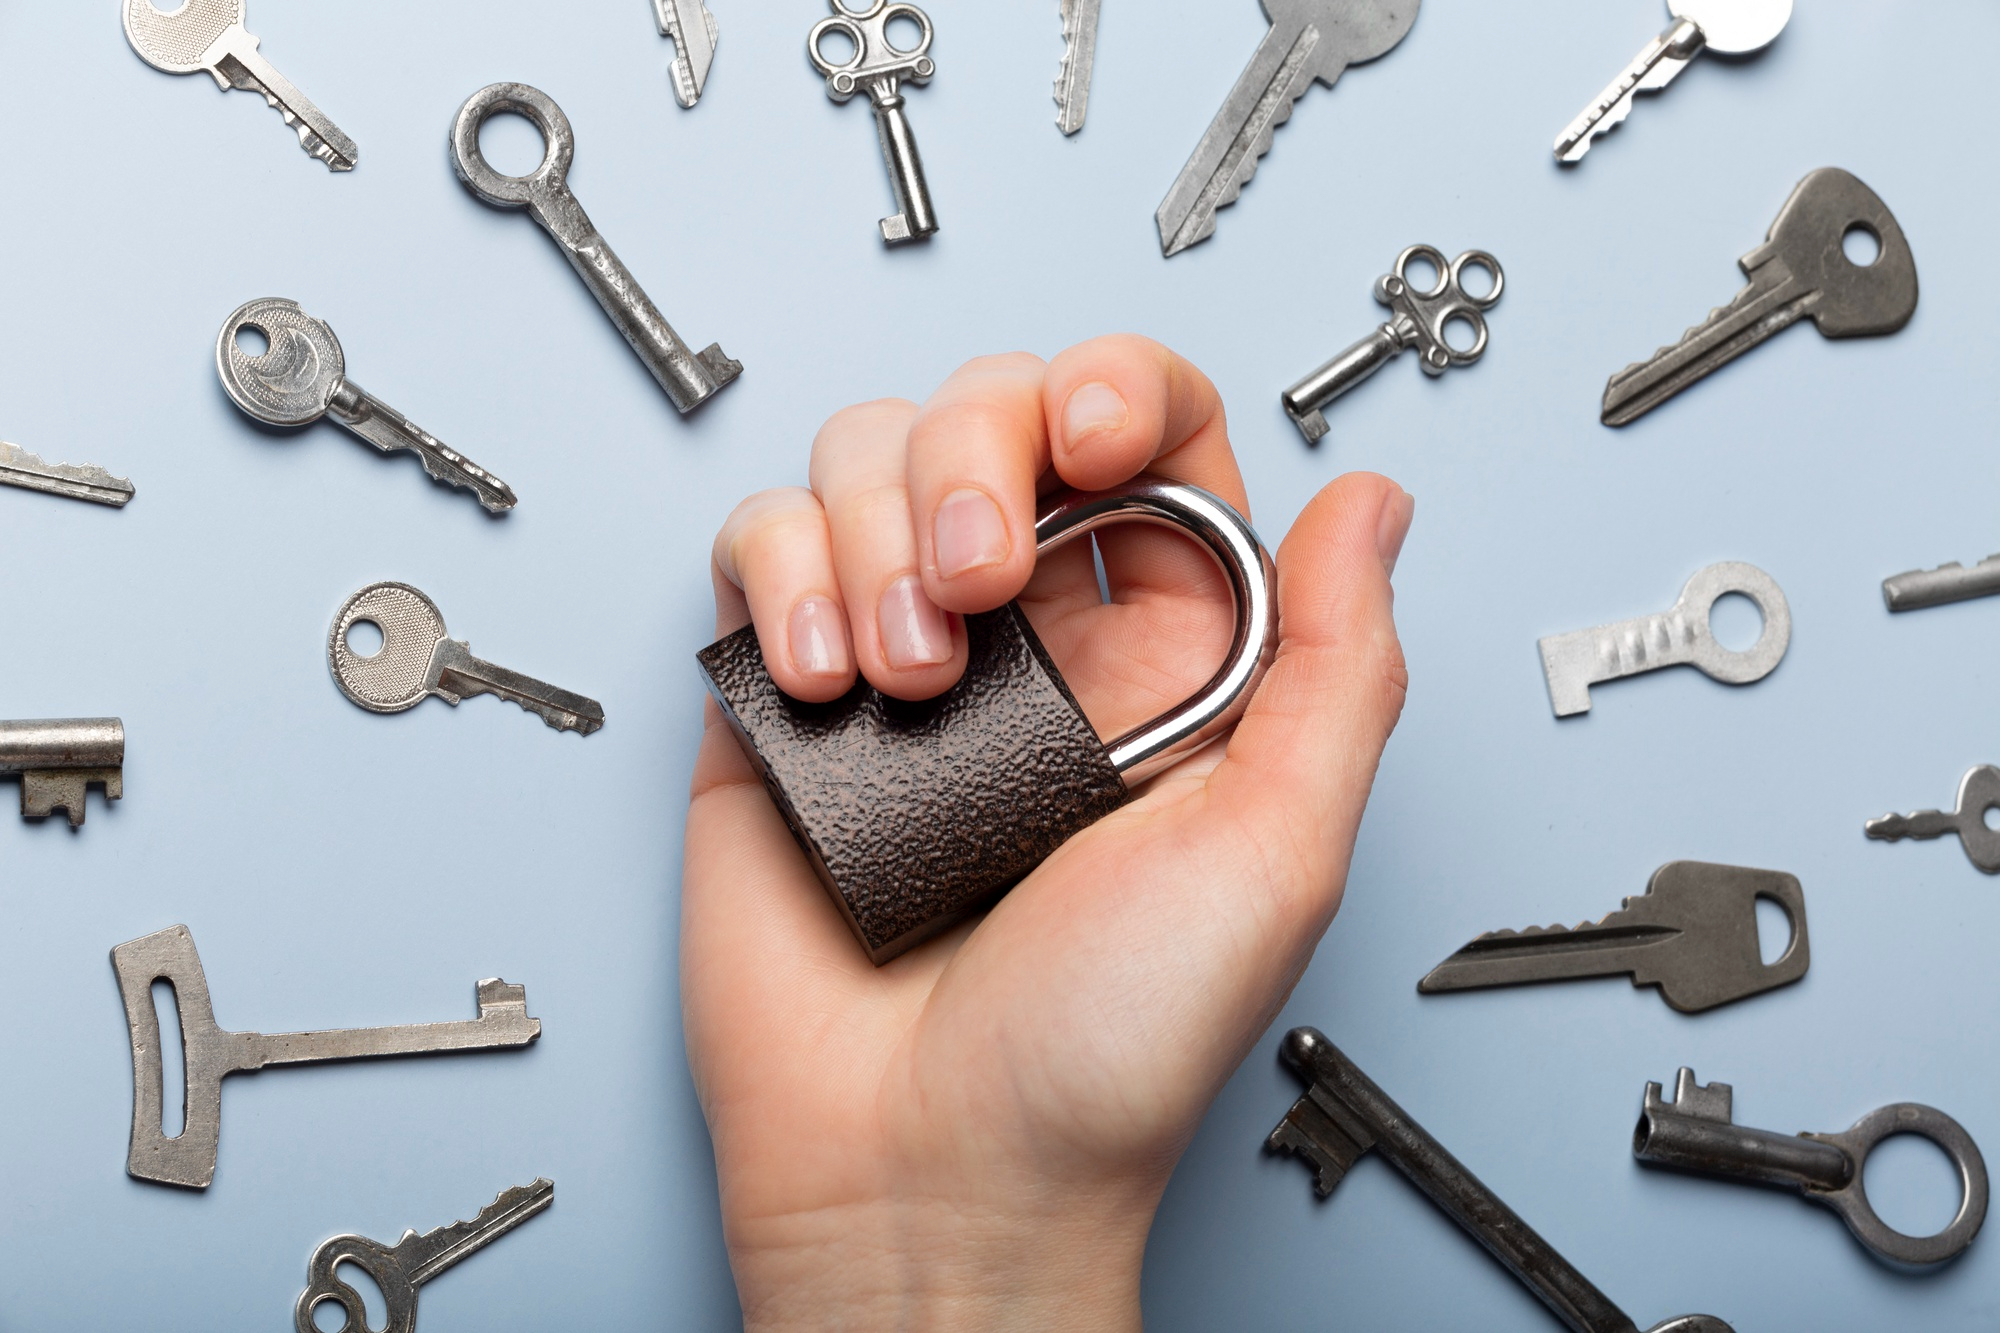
(917, 814)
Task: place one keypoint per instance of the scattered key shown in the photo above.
(690, 378)
(1801, 271)
(690, 26)
(1694, 1133)
(1978, 792)
(401, 1268)
(1419, 321)
(1309, 40)
(1680, 636)
(1728, 27)
(881, 67)
(20, 468)
(417, 660)
(1693, 933)
(61, 760)
(1947, 583)
(1079, 20)
(209, 35)
(301, 376)
(1344, 1114)
(210, 1054)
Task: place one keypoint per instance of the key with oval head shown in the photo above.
(418, 659)
(690, 378)
(1727, 27)
(882, 68)
(1310, 41)
(1978, 792)
(301, 376)
(1801, 271)
(209, 35)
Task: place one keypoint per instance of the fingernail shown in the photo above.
(1393, 526)
(914, 631)
(818, 638)
(969, 533)
(1095, 406)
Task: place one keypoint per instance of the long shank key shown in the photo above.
(882, 68)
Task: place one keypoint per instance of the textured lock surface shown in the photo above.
(915, 814)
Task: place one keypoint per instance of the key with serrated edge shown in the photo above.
(1801, 272)
(75, 481)
(690, 26)
(400, 1269)
(1693, 934)
(1978, 792)
(1079, 25)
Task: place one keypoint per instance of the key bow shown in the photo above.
(1420, 317)
(324, 1285)
(877, 62)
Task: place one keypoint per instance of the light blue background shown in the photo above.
(338, 868)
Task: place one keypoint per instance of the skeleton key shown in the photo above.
(210, 1054)
(690, 378)
(1679, 636)
(691, 28)
(882, 68)
(301, 376)
(1079, 20)
(20, 468)
(1935, 587)
(1727, 27)
(1344, 1114)
(418, 659)
(209, 35)
(1801, 271)
(401, 1268)
(1309, 40)
(59, 761)
(1978, 792)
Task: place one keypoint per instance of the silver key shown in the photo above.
(1079, 20)
(1801, 271)
(1947, 583)
(1309, 40)
(401, 1268)
(691, 28)
(417, 660)
(60, 760)
(1978, 792)
(20, 468)
(1728, 27)
(209, 35)
(882, 68)
(690, 378)
(301, 376)
(1679, 636)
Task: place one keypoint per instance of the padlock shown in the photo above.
(915, 815)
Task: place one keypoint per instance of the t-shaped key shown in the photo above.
(1679, 636)
(62, 759)
(210, 1054)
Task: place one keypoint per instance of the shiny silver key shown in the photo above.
(209, 35)
(301, 376)
(1679, 636)
(401, 1268)
(690, 26)
(1947, 583)
(880, 68)
(690, 378)
(1728, 27)
(20, 468)
(61, 759)
(1801, 271)
(1978, 792)
(1079, 24)
(418, 660)
(1310, 40)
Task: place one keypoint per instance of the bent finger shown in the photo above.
(777, 549)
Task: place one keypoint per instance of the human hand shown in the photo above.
(977, 1135)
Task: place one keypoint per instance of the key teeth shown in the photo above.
(45, 791)
(1289, 1139)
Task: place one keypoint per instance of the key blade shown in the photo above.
(1947, 583)
(1657, 65)
(457, 675)
(389, 430)
(1771, 302)
(1546, 953)
(20, 468)
(1923, 826)
(1079, 23)
(424, 1257)
(691, 27)
(242, 66)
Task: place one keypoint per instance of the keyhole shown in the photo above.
(1911, 1184)
(905, 34)
(1861, 245)
(1423, 276)
(252, 341)
(1461, 334)
(364, 638)
(837, 48)
(512, 144)
(1736, 621)
(1990, 816)
(330, 1317)
(1774, 930)
(173, 1059)
(1477, 280)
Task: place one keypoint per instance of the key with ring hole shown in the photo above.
(690, 378)
(1978, 792)
(1679, 636)
(881, 67)
(1419, 320)
(1694, 1133)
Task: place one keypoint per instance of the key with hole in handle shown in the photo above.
(209, 35)
(301, 376)
(1978, 792)
(880, 67)
(1679, 636)
(60, 760)
(401, 1268)
(1801, 272)
(418, 660)
(210, 1054)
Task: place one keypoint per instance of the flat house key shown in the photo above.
(1694, 1133)
(209, 35)
(301, 376)
(1932, 587)
(1727, 27)
(1344, 1114)
(401, 1268)
(1802, 270)
(60, 760)
(691, 28)
(881, 67)
(74, 481)
(1079, 24)
(418, 659)
(690, 378)
(210, 1054)
(1978, 792)
(1419, 321)
(1679, 636)
(1309, 40)
(1693, 933)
